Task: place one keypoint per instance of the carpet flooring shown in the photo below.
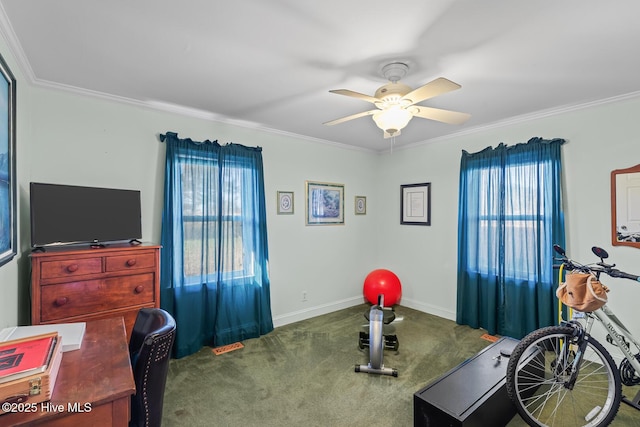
(302, 374)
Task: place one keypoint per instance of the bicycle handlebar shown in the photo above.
(621, 274)
(600, 267)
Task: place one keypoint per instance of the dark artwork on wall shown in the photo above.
(415, 204)
(8, 234)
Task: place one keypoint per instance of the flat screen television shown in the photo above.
(69, 214)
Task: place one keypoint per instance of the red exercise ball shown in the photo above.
(384, 282)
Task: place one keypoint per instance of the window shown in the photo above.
(516, 217)
(510, 215)
(218, 215)
(214, 259)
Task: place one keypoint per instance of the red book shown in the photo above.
(27, 357)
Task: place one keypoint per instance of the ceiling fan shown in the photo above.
(397, 103)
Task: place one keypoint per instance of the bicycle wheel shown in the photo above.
(538, 376)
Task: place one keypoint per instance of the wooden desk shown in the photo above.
(94, 384)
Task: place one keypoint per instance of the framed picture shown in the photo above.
(325, 203)
(8, 232)
(361, 205)
(285, 202)
(415, 204)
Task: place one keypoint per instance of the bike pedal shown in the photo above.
(391, 342)
(363, 340)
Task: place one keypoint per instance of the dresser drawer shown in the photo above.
(93, 296)
(130, 261)
(70, 267)
(78, 284)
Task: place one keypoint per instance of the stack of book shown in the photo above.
(71, 333)
(29, 368)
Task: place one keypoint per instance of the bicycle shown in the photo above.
(562, 376)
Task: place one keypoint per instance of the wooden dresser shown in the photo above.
(76, 285)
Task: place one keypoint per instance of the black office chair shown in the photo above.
(150, 350)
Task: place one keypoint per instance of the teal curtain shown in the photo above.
(510, 215)
(214, 270)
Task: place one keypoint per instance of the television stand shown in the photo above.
(81, 284)
(135, 242)
(97, 245)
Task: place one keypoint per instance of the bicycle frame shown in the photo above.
(618, 333)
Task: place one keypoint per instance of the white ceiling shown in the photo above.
(270, 64)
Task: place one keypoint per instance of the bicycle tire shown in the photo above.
(535, 381)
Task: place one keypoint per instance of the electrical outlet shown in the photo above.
(304, 296)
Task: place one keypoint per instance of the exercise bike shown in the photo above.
(377, 341)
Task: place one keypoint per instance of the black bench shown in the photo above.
(471, 394)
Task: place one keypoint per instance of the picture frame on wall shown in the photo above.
(285, 202)
(360, 205)
(415, 204)
(324, 203)
(8, 230)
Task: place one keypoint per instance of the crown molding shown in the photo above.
(526, 118)
(6, 29)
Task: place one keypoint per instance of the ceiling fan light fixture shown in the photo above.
(397, 103)
(393, 119)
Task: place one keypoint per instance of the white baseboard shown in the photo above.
(428, 308)
(296, 316)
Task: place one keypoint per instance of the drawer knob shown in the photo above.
(60, 301)
(72, 268)
(139, 289)
(131, 262)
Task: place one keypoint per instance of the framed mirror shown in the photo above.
(625, 207)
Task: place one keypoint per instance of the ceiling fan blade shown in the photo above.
(431, 89)
(437, 114)
(351, 117)
(353, 94)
